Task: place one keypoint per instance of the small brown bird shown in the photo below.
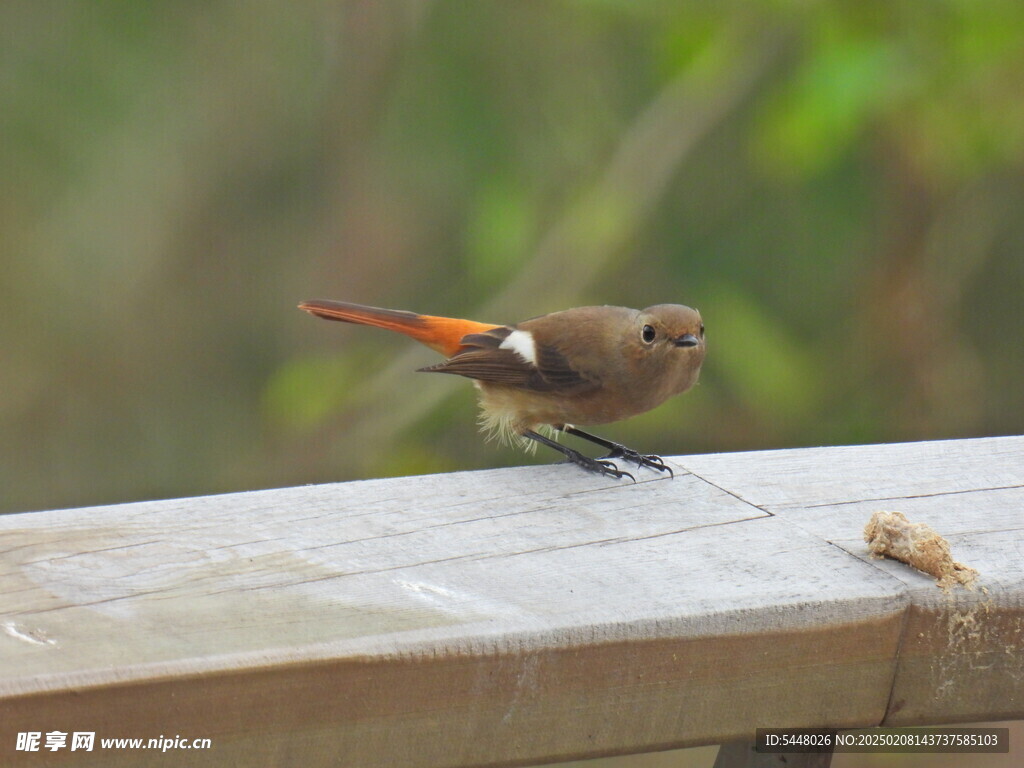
(589, 365)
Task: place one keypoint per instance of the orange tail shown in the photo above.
(443, 334)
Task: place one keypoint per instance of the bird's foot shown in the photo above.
(642, 460)
(600, 466)
(619, 451)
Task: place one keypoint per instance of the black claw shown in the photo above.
(649, 460)
(608, 468)
(599, 466)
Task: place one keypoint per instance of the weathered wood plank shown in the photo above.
(350, 560)
(812, 477)
(516, 616)
(961, 655)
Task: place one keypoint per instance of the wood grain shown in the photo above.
(517, 616)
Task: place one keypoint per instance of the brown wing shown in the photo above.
(482, 358)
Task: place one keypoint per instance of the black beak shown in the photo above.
(686, 340)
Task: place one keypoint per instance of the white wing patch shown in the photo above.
(521, 342)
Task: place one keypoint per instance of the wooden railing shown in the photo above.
(516, 616)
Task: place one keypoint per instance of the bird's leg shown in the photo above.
(619, 451)
(601, 466)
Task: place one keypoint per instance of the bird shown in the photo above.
(584, 366)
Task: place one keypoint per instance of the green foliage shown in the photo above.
(770, 371)
(499, 232)
(303, 393)
(829, 105)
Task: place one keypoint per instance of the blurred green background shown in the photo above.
(837, 186)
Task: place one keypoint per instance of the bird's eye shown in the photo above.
(702, 330)
(647, 334)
